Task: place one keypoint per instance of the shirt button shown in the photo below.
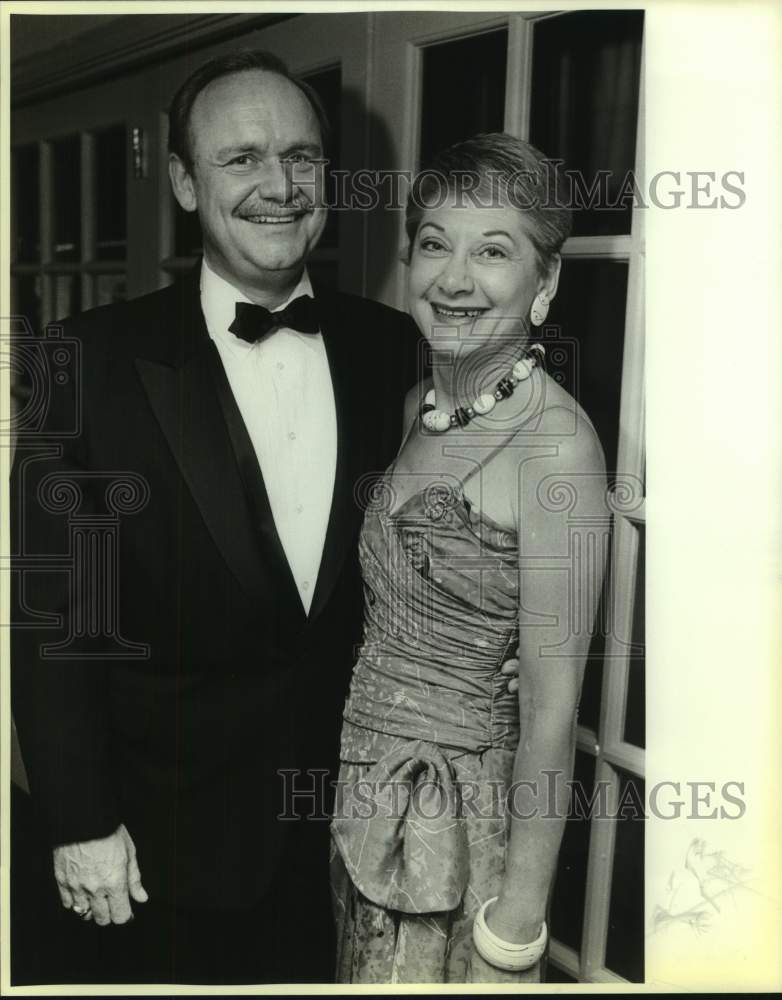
(305, 585)
(291, 435)
(280, 366)
(299, 508)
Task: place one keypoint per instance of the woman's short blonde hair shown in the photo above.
(496, 168)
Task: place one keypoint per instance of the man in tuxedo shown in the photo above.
(178, 688)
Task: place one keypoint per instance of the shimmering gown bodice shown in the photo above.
(441, 592)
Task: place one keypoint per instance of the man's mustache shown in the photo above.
(296, 206)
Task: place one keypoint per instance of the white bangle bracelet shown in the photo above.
(505, 954)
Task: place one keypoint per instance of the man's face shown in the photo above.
(255, 182)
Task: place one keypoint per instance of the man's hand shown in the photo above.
(95, 877)
(511, 669)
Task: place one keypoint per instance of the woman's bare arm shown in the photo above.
(562, 521)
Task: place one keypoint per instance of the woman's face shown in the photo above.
(471, 266)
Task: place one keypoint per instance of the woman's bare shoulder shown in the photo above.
(560, 455)
(566, 422)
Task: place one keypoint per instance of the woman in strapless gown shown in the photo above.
(445, 832)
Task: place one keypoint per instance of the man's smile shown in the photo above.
(271, 217)
(273, 220)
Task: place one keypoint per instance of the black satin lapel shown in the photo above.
(349, 397)
(186, 405)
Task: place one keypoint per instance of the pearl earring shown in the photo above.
(539, 309)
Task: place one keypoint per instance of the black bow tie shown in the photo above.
(253, 322)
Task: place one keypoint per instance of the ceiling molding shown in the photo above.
(124, 43)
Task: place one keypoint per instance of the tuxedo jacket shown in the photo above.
(165, 674)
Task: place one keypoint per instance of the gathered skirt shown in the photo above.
(380, 944)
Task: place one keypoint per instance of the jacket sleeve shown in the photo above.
(59, 698)
(408, 350)
(417, 360)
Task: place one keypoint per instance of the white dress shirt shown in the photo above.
(282, 386)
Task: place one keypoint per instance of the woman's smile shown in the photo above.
(452, 312)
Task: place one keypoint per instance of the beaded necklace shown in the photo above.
(439, 421)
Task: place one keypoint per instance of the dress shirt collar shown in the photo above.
(218, 302)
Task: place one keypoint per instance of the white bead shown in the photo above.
(436, 420)
(485, 403)
(523, 369)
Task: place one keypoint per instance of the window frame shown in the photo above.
(87, 268)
